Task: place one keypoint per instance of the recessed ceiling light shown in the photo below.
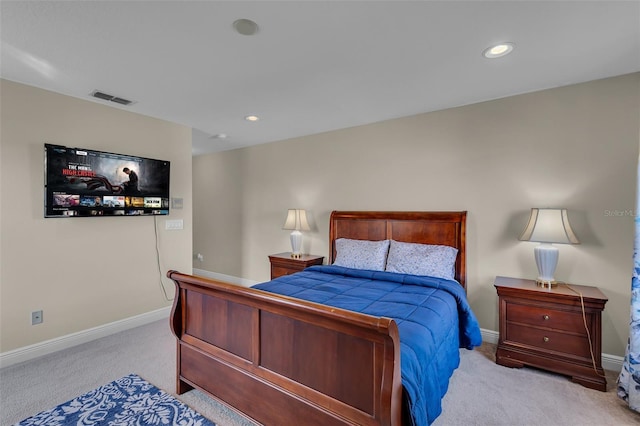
(252, 118)
(498, 50)
(220, 136)
(245, 27)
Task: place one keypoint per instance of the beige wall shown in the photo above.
(218, 180)
(574, 147)
(82, 272)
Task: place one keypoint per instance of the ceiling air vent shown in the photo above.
(101, 95)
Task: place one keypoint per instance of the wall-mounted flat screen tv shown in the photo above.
(84, 182)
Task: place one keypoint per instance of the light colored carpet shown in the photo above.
(480, 391)
(484, 393)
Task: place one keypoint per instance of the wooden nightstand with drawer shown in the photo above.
(284, 264)
(545, 328)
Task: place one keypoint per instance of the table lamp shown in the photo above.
(548, 227)
(296, 221)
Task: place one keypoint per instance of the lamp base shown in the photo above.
(546, 259)
(296, 244)
(546, 284)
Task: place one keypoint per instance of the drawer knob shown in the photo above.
(545, 338)
(545, 317)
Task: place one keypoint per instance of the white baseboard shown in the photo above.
(226, 278)
(489, 336)
(43, 348)
(609, 362)
(612, 362)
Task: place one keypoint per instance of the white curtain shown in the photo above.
(629, 379)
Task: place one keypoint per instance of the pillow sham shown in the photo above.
(361, 254)
(422, 259)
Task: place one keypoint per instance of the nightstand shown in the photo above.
(284, 264)
(545, 329)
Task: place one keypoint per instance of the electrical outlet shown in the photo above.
(36, 317)
(200, 257)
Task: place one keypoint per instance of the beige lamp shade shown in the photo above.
(296, 219)
(549, 226)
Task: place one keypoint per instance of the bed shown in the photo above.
(309, 357)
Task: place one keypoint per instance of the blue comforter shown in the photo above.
(433, 316)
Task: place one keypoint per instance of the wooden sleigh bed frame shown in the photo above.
(237, 344)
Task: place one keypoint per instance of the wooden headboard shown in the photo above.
(445, 228)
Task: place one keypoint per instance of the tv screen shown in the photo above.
(84, 182)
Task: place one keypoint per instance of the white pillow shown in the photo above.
(422, 259)
(361, 254)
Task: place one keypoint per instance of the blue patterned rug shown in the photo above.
(129, 401)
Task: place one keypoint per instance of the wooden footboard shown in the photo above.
(283, 361)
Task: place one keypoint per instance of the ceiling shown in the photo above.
(313, 66)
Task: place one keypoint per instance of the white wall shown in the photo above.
(574, 147)
(82, 272)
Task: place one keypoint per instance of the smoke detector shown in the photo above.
(245, 27)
